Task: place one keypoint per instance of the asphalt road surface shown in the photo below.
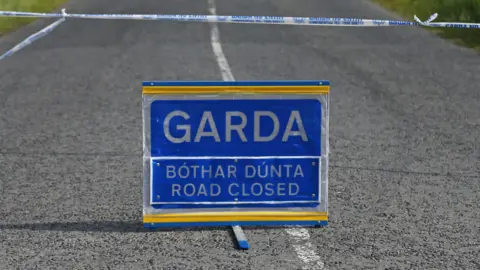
(405, 139)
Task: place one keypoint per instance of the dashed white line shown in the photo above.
(300, 236)
(304, 249)
(217, 46)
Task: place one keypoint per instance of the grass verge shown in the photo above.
(448, 11)
(8, 24)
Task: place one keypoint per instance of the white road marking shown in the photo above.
(301, 238)
(217, 46)
(304, 249)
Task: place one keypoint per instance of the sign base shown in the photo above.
(236, 218)
(152, 225)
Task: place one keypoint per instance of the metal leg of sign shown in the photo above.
(241, 238)
(321, 224)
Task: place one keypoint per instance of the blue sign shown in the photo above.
(227, 181)
(236, 128)
(247, 153)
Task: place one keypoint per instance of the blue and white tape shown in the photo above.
(249, 19)
(45, 31)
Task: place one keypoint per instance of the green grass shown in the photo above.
(448, 11)
(9, 23)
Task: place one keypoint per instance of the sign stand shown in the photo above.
(241, 238)
(235, 154)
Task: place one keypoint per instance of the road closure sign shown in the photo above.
(235, 153)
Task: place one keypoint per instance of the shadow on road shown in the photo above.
(109, 227)
(97, 226)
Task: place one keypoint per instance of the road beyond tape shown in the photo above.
(312, 21)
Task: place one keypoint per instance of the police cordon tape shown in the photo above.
(317, 21)
(306, 21)
(32, 38)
